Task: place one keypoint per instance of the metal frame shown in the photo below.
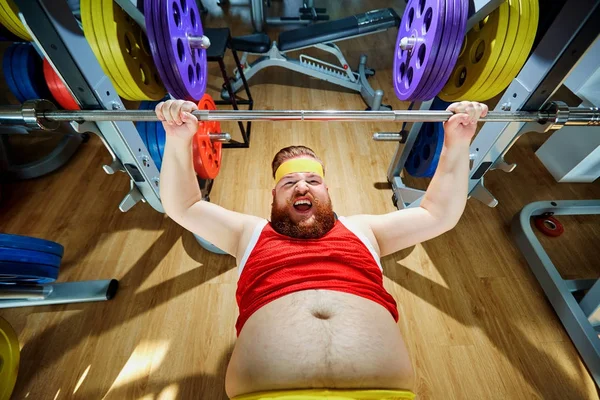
(580, 319)
(341, 75)
(58, 36)
(572, 32)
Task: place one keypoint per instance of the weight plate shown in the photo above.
(161, 138)
(35, 72)
(185, 69)
(19, 64)
(7, 70)
(525, 40)
(206, 153)
(9, 18)
(454, 32)
(130, 51)
(104, 46)
(31, 243)
(157, 48)
(29, 256)
(490, 75)
(58, 89)
(153, 144)
(10, 356)
(423, 22)
(483, 48)
(87, 21)
(14, 272)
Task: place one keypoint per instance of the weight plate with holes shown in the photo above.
(31, 243)
(9, 17)
(484, 44)
(434, 29)
(206, 153)
(423, 158)
(8, 72)
(158, 44)
(14, 272)
(120, 43)
(548, 225)
(456, 21)
(8, 254)
(58, 89)
(182, 67)
(10, 356)
(87, 21)
(131, 52)
(526, 33)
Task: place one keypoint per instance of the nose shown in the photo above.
(302, 187)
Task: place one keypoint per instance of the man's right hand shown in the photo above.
(177, 119)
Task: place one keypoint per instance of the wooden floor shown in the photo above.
(476, 321)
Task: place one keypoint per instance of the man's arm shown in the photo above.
(180, 194)
(446, 196)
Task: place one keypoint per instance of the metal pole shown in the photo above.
(285, 115)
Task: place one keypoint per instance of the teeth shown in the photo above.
(299, 202)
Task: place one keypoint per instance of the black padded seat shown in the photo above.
(339, 29)
(255, 43)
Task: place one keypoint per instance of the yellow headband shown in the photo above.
(298, 165)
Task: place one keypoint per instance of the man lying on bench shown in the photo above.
(321, 36)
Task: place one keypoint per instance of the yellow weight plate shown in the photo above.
(516, 22)
(125, 88)
(135, 64)
(10, 356)
(87, 21)
(525, 39)
(484, 45)
(10, 19)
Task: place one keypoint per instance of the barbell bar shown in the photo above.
(43, 114)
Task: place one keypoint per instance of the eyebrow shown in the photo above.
(295, 176)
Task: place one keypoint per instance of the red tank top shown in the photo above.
(278, 265)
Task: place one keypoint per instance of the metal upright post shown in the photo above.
(58, 36)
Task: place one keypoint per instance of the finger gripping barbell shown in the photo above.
(43, 114)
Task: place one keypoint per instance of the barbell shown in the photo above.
(42, 114)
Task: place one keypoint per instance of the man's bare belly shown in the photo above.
(319, 338)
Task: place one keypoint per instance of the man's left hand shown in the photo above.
(462, 125)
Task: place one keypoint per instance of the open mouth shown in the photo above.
(302, 205)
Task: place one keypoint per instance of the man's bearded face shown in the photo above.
(302, 207)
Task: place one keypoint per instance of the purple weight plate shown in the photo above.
(157, 47)
(159, 50)
(454, 28)
(422, 20)
(181, 19)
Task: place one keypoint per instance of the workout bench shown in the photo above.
(321, 36)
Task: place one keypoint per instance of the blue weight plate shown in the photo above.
(20, 72)
(434, 149)
(35, 72)
(14, 272)
(31, 243)
(29, 256)
(161, 138)
(416, 160)
(153, 144)
(8, 73)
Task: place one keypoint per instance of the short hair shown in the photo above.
(292, 152)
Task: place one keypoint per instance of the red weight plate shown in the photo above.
(207, 154)
(549, 225)
(58, 89)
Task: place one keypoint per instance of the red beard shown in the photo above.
(323, 220)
